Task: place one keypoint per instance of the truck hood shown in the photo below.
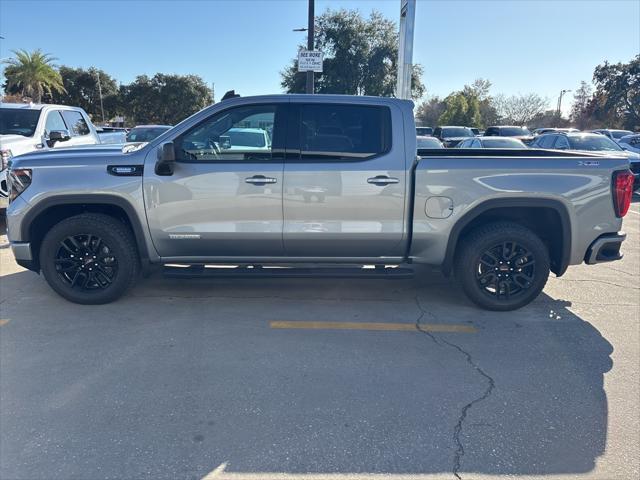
(87, 154)
(18, 144)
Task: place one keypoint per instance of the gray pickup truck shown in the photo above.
(300, 185)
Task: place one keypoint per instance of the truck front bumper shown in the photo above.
(24, 257)
(605, 248)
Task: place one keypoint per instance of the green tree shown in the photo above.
(461, 110)
(617, 95)
(81, 90)
(164, 99)
(480, 89)
(32, 75)
(360, 56)
(429, 111)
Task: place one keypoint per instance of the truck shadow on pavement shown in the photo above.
(180, 377)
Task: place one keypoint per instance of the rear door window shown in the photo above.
(77, 125)
(547, 141)
(350, 132)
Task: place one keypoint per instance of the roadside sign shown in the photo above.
(309, 61)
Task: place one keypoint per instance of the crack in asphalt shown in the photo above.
(457, 430)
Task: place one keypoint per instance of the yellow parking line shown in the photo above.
(3, 322)
(405, 327)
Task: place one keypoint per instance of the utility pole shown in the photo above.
(100, 93)
(310, 43)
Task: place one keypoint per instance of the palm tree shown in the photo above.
(33, 74)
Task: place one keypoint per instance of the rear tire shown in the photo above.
(502, 266)
(89, 259)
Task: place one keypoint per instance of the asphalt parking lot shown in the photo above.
(193, 379)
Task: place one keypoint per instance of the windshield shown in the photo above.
(620, 133)
(429, 143)
(514, 131)
(457, 132)
(18, 121)
(593, 143)
(145, 134)
(502, 143)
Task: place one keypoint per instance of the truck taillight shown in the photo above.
(622, 192)
(19, 179)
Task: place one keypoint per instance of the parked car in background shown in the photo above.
(630, 143)
(110, 136)
(424, 131)
(28, 127)
(521, 133)
(589, 142)
(428, 142)
(614, 135)
(450, 136)
(540, 131)
(501, 221)
(146, 133)
(476, 131)
(491, 142)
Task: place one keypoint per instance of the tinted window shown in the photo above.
(75, 122)
(546, 141)
(144, 134)
(424, 130)
(491, 131)
(561, 143)
(18, 121)
(593, 143)
(503, 143)
(449, 132)
(54, 122)
(514, 131)
(344, 131)
(242, 133)
(620, 133)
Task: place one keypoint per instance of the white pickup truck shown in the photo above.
(29, 127)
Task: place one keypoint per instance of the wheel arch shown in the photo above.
(48, 212)
(548, 218)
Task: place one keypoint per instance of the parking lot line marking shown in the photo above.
(402, 327)
(3, 322)
(633, 211)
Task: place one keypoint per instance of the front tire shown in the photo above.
(502, 266)
(89, 259)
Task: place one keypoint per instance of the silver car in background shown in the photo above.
(491, 142)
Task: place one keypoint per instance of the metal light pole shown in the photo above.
(559, 110)
(405, 48)
(310, 42)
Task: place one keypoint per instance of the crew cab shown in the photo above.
(338, 187)
(27, 127)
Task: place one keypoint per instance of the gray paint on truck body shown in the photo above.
(356, 221)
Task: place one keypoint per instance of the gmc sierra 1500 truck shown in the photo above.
(330, 183)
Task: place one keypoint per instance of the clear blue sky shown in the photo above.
(521, 46)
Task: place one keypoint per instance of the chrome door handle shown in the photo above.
(260, 180)
(382, 180)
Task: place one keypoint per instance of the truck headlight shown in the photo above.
(19, 179)
(5, 156)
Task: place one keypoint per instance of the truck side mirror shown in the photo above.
(57, 136)
(166, 159)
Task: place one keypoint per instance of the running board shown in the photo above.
(256, 271)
